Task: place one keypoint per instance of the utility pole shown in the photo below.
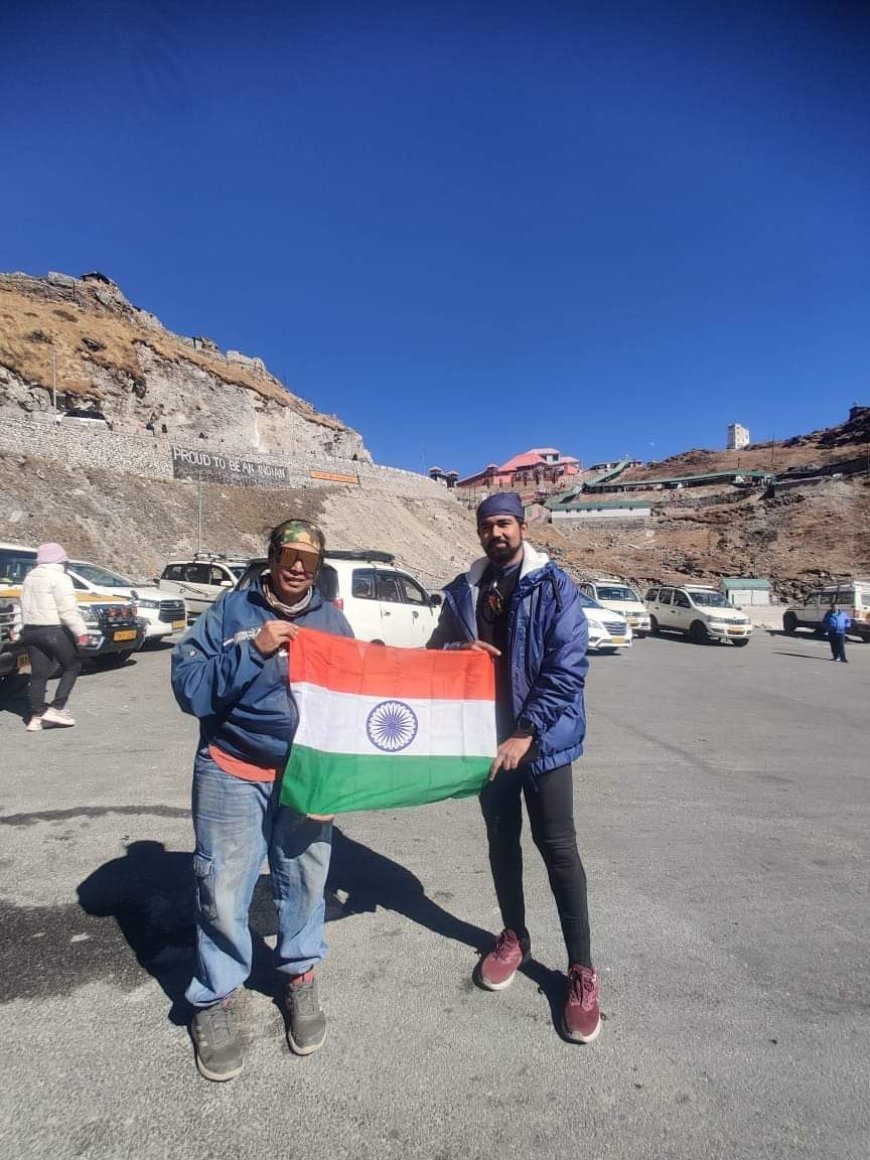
(54, 381)
(199, 506)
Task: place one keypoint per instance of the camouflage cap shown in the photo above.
(299, 533)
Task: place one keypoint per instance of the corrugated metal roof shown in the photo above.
(744, 582)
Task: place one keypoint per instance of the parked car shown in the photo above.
(114, 629)
(87, 416)
(201, 579)
(13, 653)
(704, 614)
(608, 631)
(162, 613)
(851, 595)
(619, 597)
(381, 601)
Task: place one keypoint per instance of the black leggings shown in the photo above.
(550, 804)
(50, 645)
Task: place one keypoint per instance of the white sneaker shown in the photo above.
(58, 717)
(34, 725)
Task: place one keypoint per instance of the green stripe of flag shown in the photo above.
(316, 782)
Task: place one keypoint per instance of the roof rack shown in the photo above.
(370, 554)
(236, 557)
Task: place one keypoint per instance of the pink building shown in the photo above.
(538, 465)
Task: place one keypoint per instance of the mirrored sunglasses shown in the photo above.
(288, 555)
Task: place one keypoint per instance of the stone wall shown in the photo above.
(124, 448)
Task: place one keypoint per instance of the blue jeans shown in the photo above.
(238, 824)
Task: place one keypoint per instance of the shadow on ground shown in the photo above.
(148, 894)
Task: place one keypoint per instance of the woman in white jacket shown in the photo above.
(52, 625)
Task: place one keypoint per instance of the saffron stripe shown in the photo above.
(354, 666)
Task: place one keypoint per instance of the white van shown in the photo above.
(704, 614)
(161, 613)
(202, 579)
(853, 596)
(381, 601)
(620, 597)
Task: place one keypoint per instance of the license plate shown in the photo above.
(736, 631)
(22, 662)
(176, 624)
(618, 639)
(124, 634)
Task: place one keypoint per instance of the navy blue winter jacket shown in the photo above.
(548, 633)
(242, 698)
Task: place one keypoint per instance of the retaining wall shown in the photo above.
(123, 449)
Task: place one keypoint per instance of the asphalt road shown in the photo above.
(724, 822)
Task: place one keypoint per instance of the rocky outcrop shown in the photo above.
(73, 341)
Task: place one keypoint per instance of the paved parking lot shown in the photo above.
(724, 821)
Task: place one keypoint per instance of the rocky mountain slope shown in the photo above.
(83, 336)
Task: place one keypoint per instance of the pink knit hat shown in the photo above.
(50, 553)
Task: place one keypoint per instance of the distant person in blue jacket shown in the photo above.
(837, 623)
(230, 671)
(523, 610)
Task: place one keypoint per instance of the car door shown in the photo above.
(398, 625)
(423, 616)
(664, 608)
(196, 586)
(361, 605)
(682, 612)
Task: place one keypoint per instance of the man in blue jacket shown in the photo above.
(837, 622)
(230, 671)
(523, 610)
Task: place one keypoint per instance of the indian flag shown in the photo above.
(383, 727)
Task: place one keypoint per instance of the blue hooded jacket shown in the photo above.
(242, 699)
(548, 634)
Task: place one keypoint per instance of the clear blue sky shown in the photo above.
(468, 229)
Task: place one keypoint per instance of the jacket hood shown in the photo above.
(533, 561)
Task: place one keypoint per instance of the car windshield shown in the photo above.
(616, 592)
(102, 577)
(709, 600)
(15, 565)
(587, 601)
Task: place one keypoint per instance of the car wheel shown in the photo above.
(789, 623)
(653, 626)
(698, 632)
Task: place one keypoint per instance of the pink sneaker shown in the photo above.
(582, 1019)
(497, 969)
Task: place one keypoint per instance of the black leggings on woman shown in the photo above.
(50, 645)
(550, 803)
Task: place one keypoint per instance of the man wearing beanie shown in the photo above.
(523, 610)
(230, 671)
(51, 627)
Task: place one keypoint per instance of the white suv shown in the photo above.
(619, 597)
(202, 580)
(702, 613)
(381, 601)
(609, 632)
(161, 613)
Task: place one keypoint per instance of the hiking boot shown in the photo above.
(582, 1018)
(58, 717)
(497, 969)
(34, 725)
(218, 1050)
(306, 1023)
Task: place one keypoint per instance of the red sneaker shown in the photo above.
(497, 969)
(582, 1019)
